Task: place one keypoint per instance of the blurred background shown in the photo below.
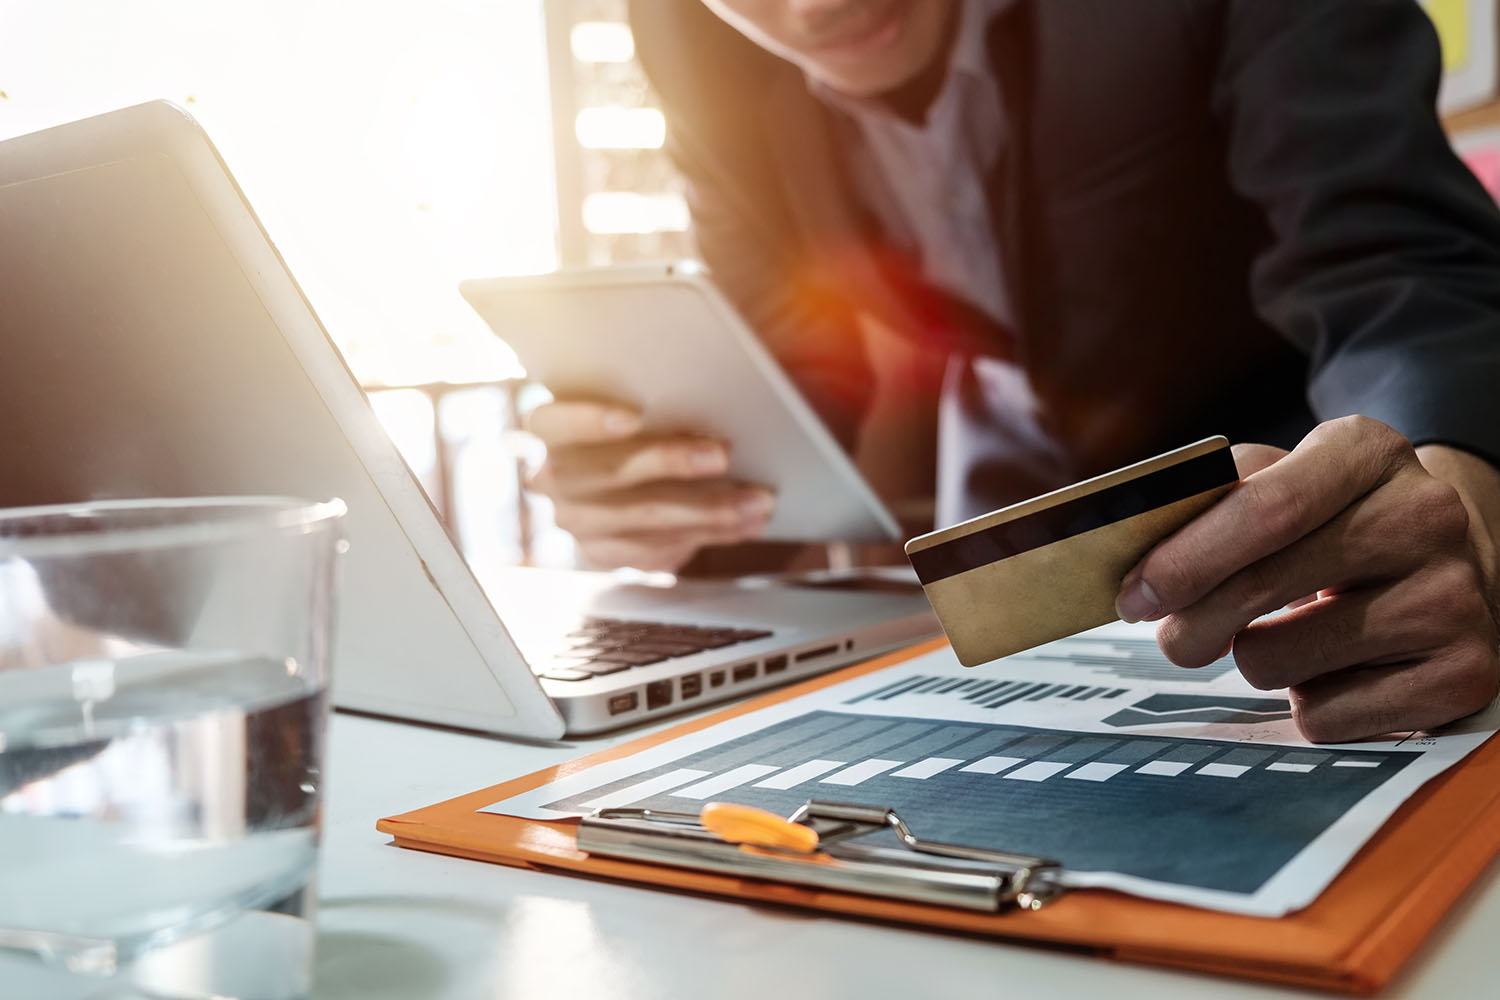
(393, 149)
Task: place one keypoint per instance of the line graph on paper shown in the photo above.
(1162, 708)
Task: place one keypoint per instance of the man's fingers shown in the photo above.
(630, 500)
(653, 555)
(654, 552)
(1349, 705)
(1336, 464)
(575, 421)
(710, 507)
(1252, 458)
(1353, 551)
(583, 469)
(1383, 624)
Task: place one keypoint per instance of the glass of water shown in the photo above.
(163, 679)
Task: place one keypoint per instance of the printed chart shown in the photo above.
(1120, 657)
(1095, 751)
(1219, 815)
(1213, 709)
(986, 693)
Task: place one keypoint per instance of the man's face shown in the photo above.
(857, 47)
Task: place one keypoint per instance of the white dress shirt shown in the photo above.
(926, 184)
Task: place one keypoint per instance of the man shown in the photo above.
(1129, 226)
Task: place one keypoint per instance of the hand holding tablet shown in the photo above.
(635, 499)
(673, 427)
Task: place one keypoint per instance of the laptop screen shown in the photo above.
(154, 345)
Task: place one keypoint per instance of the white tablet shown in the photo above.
(661, 338)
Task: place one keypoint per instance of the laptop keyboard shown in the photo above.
(600, 646)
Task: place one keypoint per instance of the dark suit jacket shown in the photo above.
(1216, 216)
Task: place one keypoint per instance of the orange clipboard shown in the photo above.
(1352, 939)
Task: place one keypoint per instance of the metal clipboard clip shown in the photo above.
(745, 842)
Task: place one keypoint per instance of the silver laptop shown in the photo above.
(155, 345)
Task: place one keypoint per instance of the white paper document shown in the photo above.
(1135, 774)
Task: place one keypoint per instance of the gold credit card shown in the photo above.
(1051, 566)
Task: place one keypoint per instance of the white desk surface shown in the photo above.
(395, 924)
(403, 924)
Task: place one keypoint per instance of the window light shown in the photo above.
(620, 128)
(602, 42)
(620, 212)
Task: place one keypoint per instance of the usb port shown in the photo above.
(658, 694)
(716, 679)
(776, 664)
(813, 654)
(621, 703)
(743, 672)
(692, 685)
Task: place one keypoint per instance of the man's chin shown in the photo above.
(886, 60)
(859, 85)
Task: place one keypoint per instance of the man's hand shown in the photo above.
(640, 501)
(1393, 625)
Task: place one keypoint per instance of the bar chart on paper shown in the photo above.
(1136, 775)
(1218, 815)
(1108, 655)
(921, 690)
